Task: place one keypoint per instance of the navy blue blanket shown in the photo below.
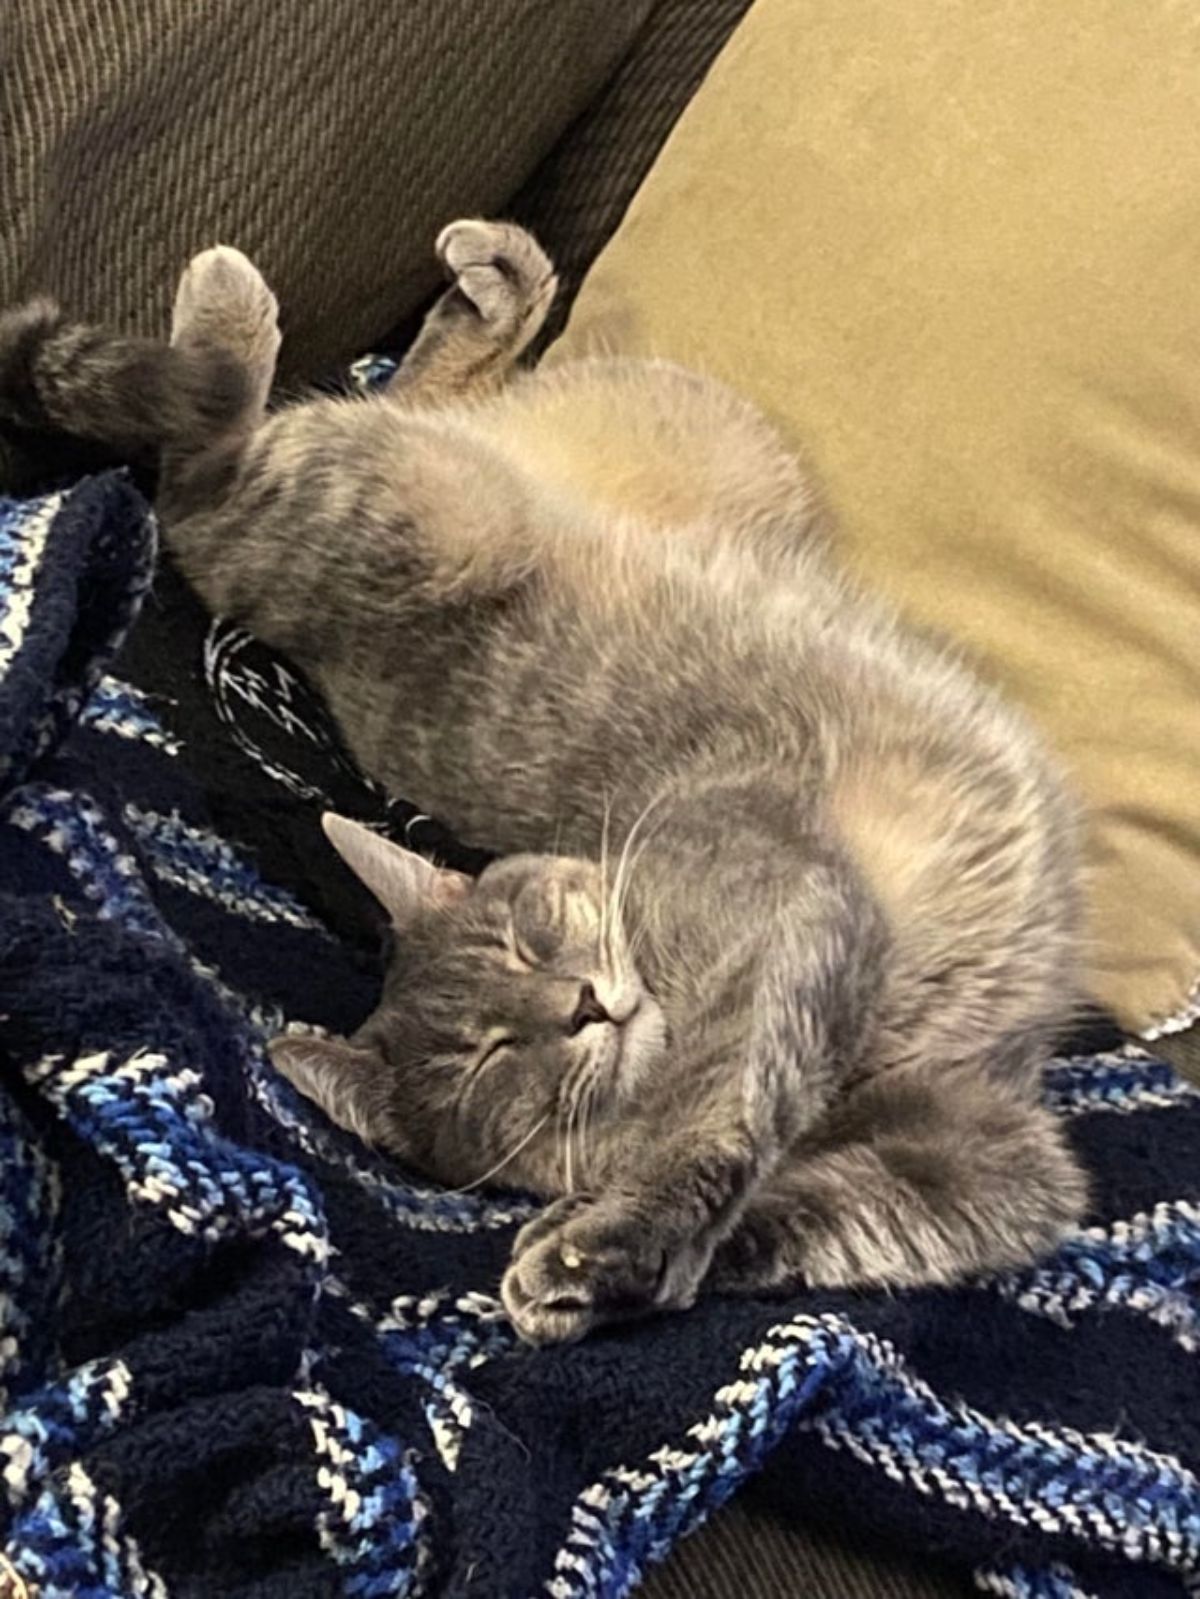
(242, 1356)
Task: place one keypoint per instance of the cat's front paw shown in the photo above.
(586, 1261)
(501, 271)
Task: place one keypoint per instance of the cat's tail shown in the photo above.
(131, 393)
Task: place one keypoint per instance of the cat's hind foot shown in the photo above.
(502, 273)
(502, 284)
(223, 301)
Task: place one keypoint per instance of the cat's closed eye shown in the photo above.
(493, 1048)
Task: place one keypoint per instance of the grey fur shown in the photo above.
(127, 392)
(790, 909)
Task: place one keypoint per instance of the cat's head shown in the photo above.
(512, 1018)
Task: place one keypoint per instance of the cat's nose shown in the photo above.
(588, 1010)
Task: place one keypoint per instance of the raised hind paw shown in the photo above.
(503, 275)
(223, 300)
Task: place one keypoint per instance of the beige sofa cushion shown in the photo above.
(955, 251)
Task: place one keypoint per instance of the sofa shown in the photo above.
(949, 254)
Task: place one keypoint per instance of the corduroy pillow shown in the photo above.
(955, 252)
(330, 139)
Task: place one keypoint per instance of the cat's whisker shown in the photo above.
(501, 1164)
(577, 1125)
(562, 1130)
(637, 930)
(472, 1081)
(628, 866)
(568, 1172)
(631, 835)
(571, 1102)
(589, 1127)
(614, 902)
(559, 1160)
(587, 1095)
(604, 907)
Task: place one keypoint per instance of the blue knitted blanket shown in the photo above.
(239, 1355)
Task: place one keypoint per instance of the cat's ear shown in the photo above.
(339, 1077)
(404, 884)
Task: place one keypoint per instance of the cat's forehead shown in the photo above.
(459, 940)
(459, 949)
(519, 912)
(536, 881)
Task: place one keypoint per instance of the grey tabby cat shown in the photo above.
(789, 910)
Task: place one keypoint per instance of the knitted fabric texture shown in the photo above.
(241, 1355)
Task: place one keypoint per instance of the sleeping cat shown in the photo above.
(788, 913)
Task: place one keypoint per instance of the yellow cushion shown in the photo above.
(954, 249)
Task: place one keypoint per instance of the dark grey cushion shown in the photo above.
(329, 139)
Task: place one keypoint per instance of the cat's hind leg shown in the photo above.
(502, 286)
(222, 304)
(223, 300)
(138, 395)
(923, 1176)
